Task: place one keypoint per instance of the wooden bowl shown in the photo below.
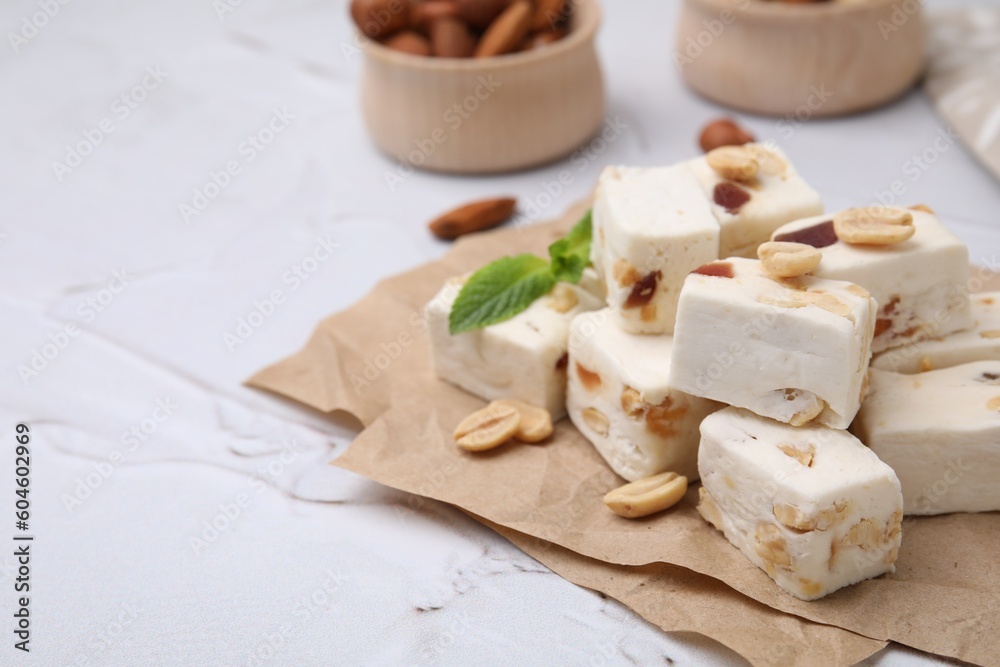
(486, 115)
(807, 60)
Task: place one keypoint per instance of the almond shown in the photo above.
(379, 19)
(507, 32)
(409, 41)
(450, 38)
(480, 13)
(473, 217)
(549, 14)
(723, 132)
(424, 14)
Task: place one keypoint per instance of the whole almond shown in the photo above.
(507, 32)
(424, 14)
(450, 38)
(548, 15)
(474, 217)
(480, 13)
(723, 132)
(380, 19)
(409, 41)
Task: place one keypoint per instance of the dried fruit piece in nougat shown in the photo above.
(940, 432)
(522, 358)
(794, 350)
(618, 397)
(651, 227)
(920, 284)
(813, 507)
(750, 211)
(980, 343)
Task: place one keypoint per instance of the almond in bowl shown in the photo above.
(530, 92)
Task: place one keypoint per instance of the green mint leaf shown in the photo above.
(571, 254)
(499, 291)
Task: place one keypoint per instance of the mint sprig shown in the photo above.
(502, 289)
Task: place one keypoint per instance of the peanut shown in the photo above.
(874, 225)
(536, 422)
(597, 421)
(788, 260)
(647, 496)
(733, 163)
(771, 545)
(487, 428)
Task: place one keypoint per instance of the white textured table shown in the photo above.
(142, 320)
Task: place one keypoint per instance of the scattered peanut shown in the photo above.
(536, 422)
(647, 496)
(487, 428)
(733, 163)
(788, 260)
(874, 225)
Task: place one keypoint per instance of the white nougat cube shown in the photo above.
(920, 284)
(523, 357)
(792, 350)
(651, 227)
(619, 399)
(813, 507)
(981, 343)
(940, 432)
(749, 213)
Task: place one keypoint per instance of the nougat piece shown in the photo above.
(524, 357)
(794, 350)
(651, 227)
(940, 432)
(619, 399)
(981, 343)
(749, 212)
(811, 506)
(920, 284)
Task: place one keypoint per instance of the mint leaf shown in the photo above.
(571, 254)
(500, 290)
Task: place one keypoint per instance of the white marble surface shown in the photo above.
(320, 566)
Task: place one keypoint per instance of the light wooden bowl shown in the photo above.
(808, 60)
(486, 115)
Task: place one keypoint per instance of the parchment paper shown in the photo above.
(679, 600)
(372, 361)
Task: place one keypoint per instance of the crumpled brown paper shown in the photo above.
(372, 361)
(679, 600)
